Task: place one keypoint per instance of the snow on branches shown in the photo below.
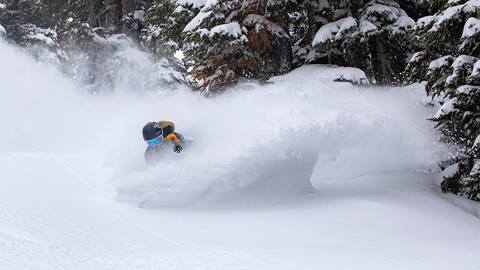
(334, 30)
(471, 28)
(375, 40)
(3, 32)
(451, 52)
(230, 40)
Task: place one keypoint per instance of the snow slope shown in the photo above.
(303, 173)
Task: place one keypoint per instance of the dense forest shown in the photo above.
(223, 42)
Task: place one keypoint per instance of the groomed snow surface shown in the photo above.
(303, 173)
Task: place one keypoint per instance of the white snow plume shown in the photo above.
(263, 143)
(272, 171)
(119, 65)
(252, 143)
(40, 109)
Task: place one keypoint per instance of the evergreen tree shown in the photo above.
(215, 42)
(449, 62)
(268, 25)
(24, 24)
(165, 21)
(229, 40)
(306, 19)
(373, 38)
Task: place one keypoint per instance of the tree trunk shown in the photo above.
(113, 13)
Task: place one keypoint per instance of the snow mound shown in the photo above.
(325, 73)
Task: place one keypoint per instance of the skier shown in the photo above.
(159, 134)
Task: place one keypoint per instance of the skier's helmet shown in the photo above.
(152, 133)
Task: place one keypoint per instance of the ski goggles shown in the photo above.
(155, 141)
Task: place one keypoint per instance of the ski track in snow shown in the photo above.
(303, 173)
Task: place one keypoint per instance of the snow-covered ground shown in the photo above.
(303, 173)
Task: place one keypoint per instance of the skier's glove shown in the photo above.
(177, 148)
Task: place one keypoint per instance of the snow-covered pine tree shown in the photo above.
(229, 40)
(15, 13)
(165, 21)
(268, 24)
(449, 62)
(215, 42)
(133, 22)
(163, 32)
(24, 23)
(373, 38)
(92, 53)
(305, 20)
(310, 16)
